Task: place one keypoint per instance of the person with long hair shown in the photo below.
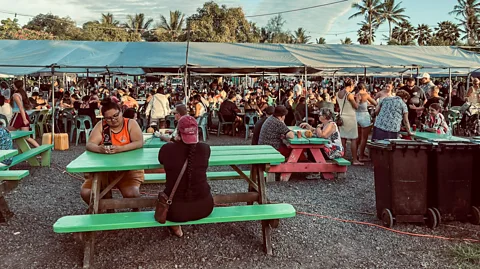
(348, 107)
(20, 105)
(193, 199)
(364, 120)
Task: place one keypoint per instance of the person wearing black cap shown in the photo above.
(258, 126)
(274, 130)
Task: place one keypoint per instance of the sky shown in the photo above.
(330, 22)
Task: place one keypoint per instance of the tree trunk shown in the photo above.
(370, 41)
(390, 30)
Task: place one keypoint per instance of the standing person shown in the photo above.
(298, 89)
(192, 199)
(435, 98)
(20, 104)
(123, 135)
(348, 106)
(474, 92)
(426, 85)
(5, 91)
(386, 92)
(390, 113)
(258, 126)
(416, 101)
(364, 120)
(158, 108)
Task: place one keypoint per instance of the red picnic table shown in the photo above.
(313, 145)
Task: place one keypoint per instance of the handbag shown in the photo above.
(164, 201)
(339, 120)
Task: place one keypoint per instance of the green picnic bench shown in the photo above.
(8, 181)
(145, 219)
(27, 153)
(99, 165)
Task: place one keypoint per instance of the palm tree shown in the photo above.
(404, 33)
(364, 34)
(301, 36)
(137, 23)
(423, 34)
(448, 31)
(468, 10)
(371, 11)
(321, 41)
(108, 19)
(174, 25)
(392, 13)
(346, 41)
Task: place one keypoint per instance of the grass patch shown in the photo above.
(467, 255)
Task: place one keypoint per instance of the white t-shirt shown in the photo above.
(298, 89)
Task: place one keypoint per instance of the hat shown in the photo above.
(425, 75)
(188, 129)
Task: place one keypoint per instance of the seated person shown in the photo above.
(130, 113)
(66, 101)
(229, 111)
(180, 111)
(301, 110)
(435, 122)
(258, 126)
(192, 200)
(6, 143)
(199, 108)
(274, 130)
(328, 129)
(37, 101)
(123, 135)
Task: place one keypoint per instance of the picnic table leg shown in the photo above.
(89, 248)
(23, 146)
(318, 156)
(258, 171)
(293, 158)
(5, 212)
(46, 157)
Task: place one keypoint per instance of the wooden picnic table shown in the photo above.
(313, 145)
(147, 158)
(20, 139)
(5, 154)
(27, 153)
(435, 137)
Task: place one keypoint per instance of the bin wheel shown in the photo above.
(439, 216)
(431, 221)
(387, 218)
(475, 215)
(341, 175)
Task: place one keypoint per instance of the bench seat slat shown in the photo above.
(30, 154)
(13, 174)
(145, 219)
(161, 178)
(342, 162)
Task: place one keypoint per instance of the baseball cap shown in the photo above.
(188, 129)
(425, 75)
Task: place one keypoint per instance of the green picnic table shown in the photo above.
(27, 153)
(154, 142)
(436, 137)
(147, 158)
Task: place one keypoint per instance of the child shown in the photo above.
(436, 121)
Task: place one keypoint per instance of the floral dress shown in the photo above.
(438, 123)
(334, 148)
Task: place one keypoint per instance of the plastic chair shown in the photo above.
(221, 122)
(33, 123)
(170, 121)
(298, 118)
(67, 116)
(250, 119)
(84, 124)
(4, 120)
(41, 123)
(202, 125)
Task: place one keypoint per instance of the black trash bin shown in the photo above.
(450, 169)
(401, 179)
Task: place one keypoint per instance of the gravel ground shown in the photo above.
(27, 240)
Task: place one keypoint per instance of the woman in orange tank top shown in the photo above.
(115, 134)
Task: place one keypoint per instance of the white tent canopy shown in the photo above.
(18, 57)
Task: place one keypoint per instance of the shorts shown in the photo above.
(379, 134)
(364, 119)
(17, 121)
(133, 178)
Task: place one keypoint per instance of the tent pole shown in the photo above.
(53, 107)
(25, 82)
(334, 86)
(187, 93)
(450, 88)
(418, 81)
(279, 87)
(306, 100)
(88, 86)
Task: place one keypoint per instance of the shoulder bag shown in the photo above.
(339, 120)
(164, 201)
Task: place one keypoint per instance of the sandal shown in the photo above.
(177, 231)
(358, 164)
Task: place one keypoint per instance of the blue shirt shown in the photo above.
(391, 114)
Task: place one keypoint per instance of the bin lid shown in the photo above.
(392, 144)
(457, 145)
